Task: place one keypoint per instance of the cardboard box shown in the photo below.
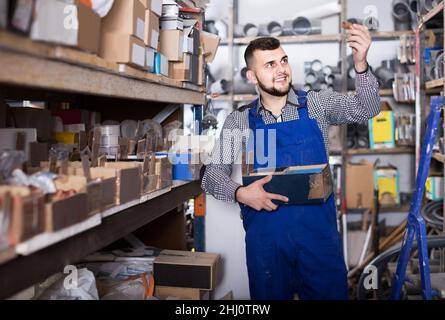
(181, 70)
(154, 5)
(301, 184)
(434, 188)
(171, 44)
(161, 64)
(194, 68)
(125, 18)
(17, 139)
(150, 54)
(360, 185)
(210, 44)
(381, 131)
(181, 293)
(151, 35)
(33, 118)
(21, 14)
(129, 180)
(387, 182)
(121, 48)
(52, 24)
(26, 212)
(201, 75)
(163, 170)
(187, 269)
(191, 40)
(66, 212)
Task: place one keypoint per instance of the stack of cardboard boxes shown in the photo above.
(130, 32)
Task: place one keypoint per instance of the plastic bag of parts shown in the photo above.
(10, 161)
(139, 287)
(60, 151)
(41, 180)
(171, 131)
(120, 270)
(79, 284)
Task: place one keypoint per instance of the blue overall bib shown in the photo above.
(297, 248)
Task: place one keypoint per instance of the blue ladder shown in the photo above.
(416, 223)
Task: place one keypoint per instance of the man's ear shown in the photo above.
(251, 77)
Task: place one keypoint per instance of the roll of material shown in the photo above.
(170, 10)
(402, 15)
(273, 29)
(111, 130)
(426, 6)
(75, 128)
(113, 151)
(109, 141)
(316, 66)
(307, 87)
(129, 129)
(311, 78)
(386, 76)
(248, 30)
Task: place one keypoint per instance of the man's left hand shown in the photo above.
(359, 39)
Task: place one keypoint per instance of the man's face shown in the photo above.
(270, 70)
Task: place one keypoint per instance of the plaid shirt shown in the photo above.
(325, 106)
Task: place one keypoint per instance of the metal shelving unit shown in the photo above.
(36, 69)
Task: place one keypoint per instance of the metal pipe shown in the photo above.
(250, 30)
(401, 15)
(272, 29)
(300, 25)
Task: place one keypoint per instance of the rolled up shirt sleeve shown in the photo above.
(356, 107)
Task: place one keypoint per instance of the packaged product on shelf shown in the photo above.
(151, 37)
(387, 182)
(26, 212)
(125, 18)
(129, 180)
(81, 28)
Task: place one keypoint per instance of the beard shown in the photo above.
(274, 91)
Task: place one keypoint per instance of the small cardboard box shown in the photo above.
(181, 70)
(62, 213)
(434, 188)
(387, 182)
(151, 35)
(360, 185)
(150, 59)
(181, 293)
(164, 171)
(171, 44)
(69, 24)
(129, 180)
(381, 131)
(185, 269)
(161, 64)
(126, 18)
(154, 5)
(26, 212)
(301, 184)
(121, 48)
(210, 44)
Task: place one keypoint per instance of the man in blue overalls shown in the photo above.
(290, 248)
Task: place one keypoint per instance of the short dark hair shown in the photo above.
(264, 43)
